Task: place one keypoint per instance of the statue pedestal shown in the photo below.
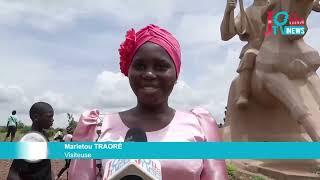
(281, 170)
(266, 123)
(270, 124)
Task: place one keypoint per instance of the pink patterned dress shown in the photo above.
(194, 126)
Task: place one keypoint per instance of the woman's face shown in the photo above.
(152, 74)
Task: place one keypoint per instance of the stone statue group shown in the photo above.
(277, 72)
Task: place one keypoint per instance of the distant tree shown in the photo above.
(71, 122)
(25, 129)
(20, 124)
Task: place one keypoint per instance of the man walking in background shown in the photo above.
(12, 125)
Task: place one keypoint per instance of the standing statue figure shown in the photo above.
(249, 25)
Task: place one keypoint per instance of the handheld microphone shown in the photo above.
(134, 169)
(135, 135)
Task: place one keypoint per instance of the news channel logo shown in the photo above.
(286, 23)
(33, 147)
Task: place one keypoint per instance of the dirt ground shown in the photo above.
(56, 166)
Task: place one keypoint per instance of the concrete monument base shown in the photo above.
(265, 123)
(260, 123)
(281, 170)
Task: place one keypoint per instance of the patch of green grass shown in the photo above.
(231, 171)
(257, 178)
(18, 136)
(25, 129)
(3, 129)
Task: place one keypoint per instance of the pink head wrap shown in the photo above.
(150, 33)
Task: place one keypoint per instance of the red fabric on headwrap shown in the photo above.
(150, 33)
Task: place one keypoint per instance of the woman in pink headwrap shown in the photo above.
(151, 59)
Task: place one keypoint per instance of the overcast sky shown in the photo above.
(66, 53)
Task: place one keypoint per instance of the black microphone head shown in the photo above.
(136, 135)
(131, 177)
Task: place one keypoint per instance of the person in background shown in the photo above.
(12, 125)
(58, 136)
(41, 114)
(151, 59)
(66, 138)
